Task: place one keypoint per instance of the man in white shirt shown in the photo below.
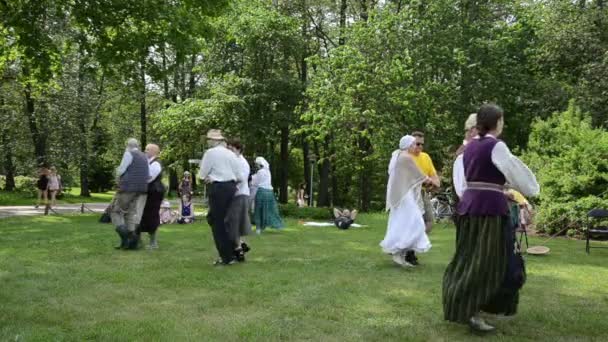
(220, 169)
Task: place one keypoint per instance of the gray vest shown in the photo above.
(135, 179)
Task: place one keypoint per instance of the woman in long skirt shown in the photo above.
(486, 271)
(405, 233)
(266, 211)
(150, 219)
(237, 219)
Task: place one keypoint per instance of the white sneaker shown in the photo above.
(399, 259)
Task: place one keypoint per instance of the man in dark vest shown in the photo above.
(130, 198)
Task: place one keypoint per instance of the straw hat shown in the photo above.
(538, 250)
(215, 134)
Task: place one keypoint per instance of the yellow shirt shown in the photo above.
(519, 198)
(425, 164)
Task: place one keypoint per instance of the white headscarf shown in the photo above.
(262, 163)
(406, 142)
(404, 175)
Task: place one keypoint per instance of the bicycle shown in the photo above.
(443, 205)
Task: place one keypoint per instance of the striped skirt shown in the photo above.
(266, 211)
(476, 278)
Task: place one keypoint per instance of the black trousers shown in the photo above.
(220, 197)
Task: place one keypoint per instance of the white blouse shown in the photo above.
(458, 178)
(262, 179)
(154, 170)
(242, 188)
(517, 174)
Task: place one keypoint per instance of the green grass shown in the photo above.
(71, 196)
(60, 279)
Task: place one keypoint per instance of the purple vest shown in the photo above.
(478, 167)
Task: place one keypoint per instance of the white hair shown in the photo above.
(214, 143)
(132, 143)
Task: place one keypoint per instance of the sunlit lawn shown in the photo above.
(71, 196)
(61, 279)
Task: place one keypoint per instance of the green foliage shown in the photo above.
(313, 213)
(26, 185)
(569, 159)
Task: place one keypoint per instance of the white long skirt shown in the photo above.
(406, 229)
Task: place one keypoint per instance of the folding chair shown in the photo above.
(594, 227)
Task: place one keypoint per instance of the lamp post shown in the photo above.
(313, 159)
(196, 162)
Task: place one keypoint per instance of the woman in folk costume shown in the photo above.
(237, 218)
(150, 219)
(405, 233)
(486, 271)
(266, 211)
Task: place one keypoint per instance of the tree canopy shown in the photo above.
(327, 84)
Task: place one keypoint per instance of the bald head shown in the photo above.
(152, 150)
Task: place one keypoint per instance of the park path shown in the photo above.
(29, 210)
(62, 209)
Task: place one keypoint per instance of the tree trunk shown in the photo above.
(364, 10)
(84, 141)
(142, 102)
(173, 180)
(304, 80)
(38, 137)
(175, 78)
(365, 180)
(9, 166)
(166, 93)
(192, 78)
(284, 161)
(343, 6)
(336, 198)
(306, 155)
(323, 199)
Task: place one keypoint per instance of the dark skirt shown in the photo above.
(237, 219)
(150, 219)
(42, 183)
(477, 278)
(266, 211)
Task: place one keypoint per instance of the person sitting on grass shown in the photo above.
(186, 210)
(166, 214)
(345, 218)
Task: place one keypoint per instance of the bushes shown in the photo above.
(569, 159)
(313, 213)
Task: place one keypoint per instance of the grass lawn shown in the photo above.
(60, 279)
(72, 196)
